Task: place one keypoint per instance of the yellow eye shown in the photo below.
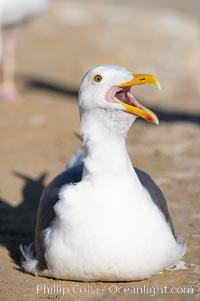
(97, 78)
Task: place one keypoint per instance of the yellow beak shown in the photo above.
(141, 111)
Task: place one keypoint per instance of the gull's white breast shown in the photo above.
(108, 229)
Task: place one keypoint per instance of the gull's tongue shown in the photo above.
(127, 97)
(121, 95)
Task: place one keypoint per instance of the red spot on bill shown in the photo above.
(149, 118)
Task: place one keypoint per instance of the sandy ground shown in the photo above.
(39, 133)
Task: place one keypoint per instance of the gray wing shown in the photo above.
(156, 195)
(46, 213)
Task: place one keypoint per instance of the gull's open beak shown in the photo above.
(140, 110)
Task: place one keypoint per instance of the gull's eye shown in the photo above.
(97, 78)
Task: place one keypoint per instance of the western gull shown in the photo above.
(103, 219)
(14, 13)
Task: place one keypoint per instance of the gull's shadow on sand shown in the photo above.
(31, 82)
(17, 224)
(175, 116)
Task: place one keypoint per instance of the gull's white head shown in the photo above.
(107, 87)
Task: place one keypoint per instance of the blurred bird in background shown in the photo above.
(13, 14)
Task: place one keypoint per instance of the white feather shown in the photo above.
(29, 262)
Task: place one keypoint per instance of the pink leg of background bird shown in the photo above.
(7, 87)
